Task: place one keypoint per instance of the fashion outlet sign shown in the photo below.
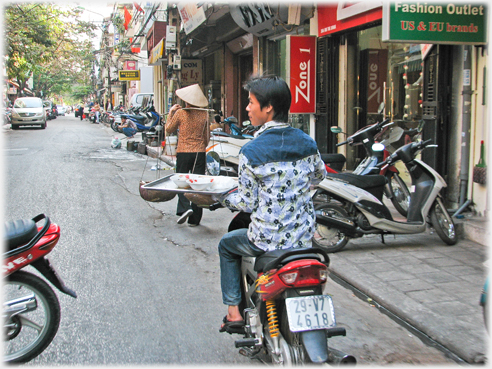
(301, 51)
(446, 23)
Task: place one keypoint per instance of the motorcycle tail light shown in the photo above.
(289, 278)
(304, 273)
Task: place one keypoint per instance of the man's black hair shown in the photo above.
(271, 90)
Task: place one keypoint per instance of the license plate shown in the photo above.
(310, 312)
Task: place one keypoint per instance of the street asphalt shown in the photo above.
(432, 288)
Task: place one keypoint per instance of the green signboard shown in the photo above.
(435, 23)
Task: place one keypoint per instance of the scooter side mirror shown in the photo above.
(335, 129)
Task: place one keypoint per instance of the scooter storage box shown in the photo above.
(334, 161)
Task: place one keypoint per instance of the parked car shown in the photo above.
(61, 109)
(28, 111)
(140, 99)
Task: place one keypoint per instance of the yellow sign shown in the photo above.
(129, 75)
(156, 53)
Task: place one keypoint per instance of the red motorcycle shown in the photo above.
(31, 310)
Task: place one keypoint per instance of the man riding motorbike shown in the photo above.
(276, 170)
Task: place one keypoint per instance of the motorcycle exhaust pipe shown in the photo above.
(346, 226)
(336, 357)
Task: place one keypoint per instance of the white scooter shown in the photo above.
(352, 212)
(224, 148)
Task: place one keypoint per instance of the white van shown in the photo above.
(140, 98)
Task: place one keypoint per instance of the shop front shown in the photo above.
(417, 82)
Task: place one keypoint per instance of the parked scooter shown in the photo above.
(288, 319)
(396, 190)
(227, 146)
(141, 121)
(354, 206)
(31, 310)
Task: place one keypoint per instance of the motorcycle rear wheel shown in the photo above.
(328, 238)
(400, 195)
(443, 223)
(27, 334)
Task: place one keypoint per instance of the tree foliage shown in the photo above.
(50, 44)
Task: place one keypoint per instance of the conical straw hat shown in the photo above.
(192, 95)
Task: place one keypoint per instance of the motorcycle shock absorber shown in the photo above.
(271, 310)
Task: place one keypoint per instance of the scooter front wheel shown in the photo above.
(31, 317)
(443, 223)
(328, 238)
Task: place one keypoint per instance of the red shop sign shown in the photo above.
(344, 15)
(301, 56)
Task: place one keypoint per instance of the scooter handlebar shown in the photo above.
(406, 153)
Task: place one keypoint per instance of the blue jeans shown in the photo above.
(232, 247)
(129, 132)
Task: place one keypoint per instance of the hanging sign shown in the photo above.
(191, 15)
(435, 23)
(301, 69)
(129, 75)
(191, 72)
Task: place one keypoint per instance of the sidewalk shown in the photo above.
(433, 287)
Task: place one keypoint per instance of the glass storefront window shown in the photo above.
(389, 73)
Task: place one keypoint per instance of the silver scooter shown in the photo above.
(352, 212)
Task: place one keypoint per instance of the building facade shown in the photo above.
(359, 66)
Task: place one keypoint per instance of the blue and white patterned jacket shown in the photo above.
(276, 170)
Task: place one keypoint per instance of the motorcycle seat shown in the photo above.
(372, 183)
(365, 182)
(268, 260)
(335, 161)
(19, 232)
(138, 118)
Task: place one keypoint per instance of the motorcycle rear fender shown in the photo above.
(316, 345)
(46, 269)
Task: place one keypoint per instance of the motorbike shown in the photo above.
(396, 189)
(31, 310)
(288, 319)
(226, 146)
(353, 204)
(141, 120)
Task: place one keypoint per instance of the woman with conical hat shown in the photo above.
(193, 136)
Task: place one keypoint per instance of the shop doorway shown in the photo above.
(245, 71)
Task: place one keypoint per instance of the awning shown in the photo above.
(414, 63)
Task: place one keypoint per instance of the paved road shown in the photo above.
(148, 288)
